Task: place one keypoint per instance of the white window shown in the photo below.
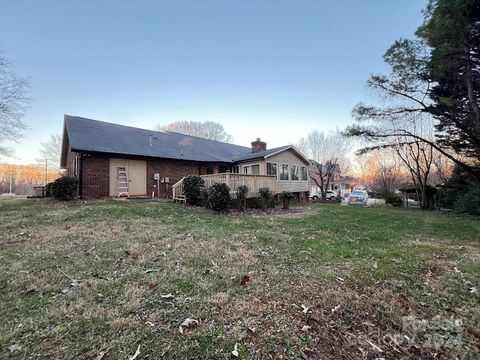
(294, 172)
(252, 169)
(284, 172)
(304, 173)
(271, 168)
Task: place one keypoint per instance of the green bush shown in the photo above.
(469, 202)
(266, 195)
(218, 197)
(394, 200)
(48, 189)
(192, 187)
(286, 196)
(65, 188)
(242, 192)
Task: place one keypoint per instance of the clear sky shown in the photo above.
(272, 69)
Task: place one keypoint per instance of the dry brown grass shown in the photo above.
(91, 276)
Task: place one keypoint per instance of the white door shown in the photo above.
(136, 175)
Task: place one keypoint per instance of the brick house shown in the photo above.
(95, 152)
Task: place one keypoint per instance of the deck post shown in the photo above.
(227, 180)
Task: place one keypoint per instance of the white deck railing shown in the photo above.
(177, 189)
(254, 183)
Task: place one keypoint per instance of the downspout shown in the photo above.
(80, 176)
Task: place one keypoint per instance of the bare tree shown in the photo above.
(207, 129)
(51, 151)
(417, 156)
(385, 170)
(328, 153)
(13, 103)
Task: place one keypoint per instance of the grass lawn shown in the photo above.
(78, 280)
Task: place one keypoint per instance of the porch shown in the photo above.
(254, 183)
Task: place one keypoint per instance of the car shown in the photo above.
(331, 195)
(358, 197)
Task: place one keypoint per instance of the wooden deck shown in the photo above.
(254, 183)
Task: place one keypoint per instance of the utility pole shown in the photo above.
(46, 170)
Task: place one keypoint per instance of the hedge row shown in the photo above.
(218, 198)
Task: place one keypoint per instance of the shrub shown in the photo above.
(242, 192)
(286, 196)
(48, 189)
(192, 188)
(64, 188)
(218, 197)
(469, 202)
(394, 200)
(266, 195)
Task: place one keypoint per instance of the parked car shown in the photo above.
(358, 197)
(412, 202)
(331, 195)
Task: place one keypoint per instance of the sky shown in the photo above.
(273, 69)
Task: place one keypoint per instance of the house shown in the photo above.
(339, 183)
(111, 159)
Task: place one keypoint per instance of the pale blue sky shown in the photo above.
(270, 69)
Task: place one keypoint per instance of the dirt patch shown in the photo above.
(468, 252)
(276, 213)
(342, 323)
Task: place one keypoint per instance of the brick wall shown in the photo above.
(95, 180)
(95, 176)
(172, 169)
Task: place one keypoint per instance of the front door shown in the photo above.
(136, 176)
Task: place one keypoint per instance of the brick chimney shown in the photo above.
(258, 145)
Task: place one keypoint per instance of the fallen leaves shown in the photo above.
(187, 323)
(375, 347)
(134, 356)
(245, 279)
(235, 350)
(152, 285)
(167, 296)
(14, 347)
(305, 309)
(96, 355)
(335, 309)
(305, 328)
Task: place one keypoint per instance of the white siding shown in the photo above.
(291, 158)
(288, 157)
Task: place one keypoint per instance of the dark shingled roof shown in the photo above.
(93, 135)
(98, 136)
(260, 154)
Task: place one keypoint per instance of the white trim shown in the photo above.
(288, 173)
(291, 147)
(250, 165)
(272, 162)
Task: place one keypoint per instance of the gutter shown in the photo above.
(80, 176)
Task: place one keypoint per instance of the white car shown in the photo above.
(358, 197)
(331, 195)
